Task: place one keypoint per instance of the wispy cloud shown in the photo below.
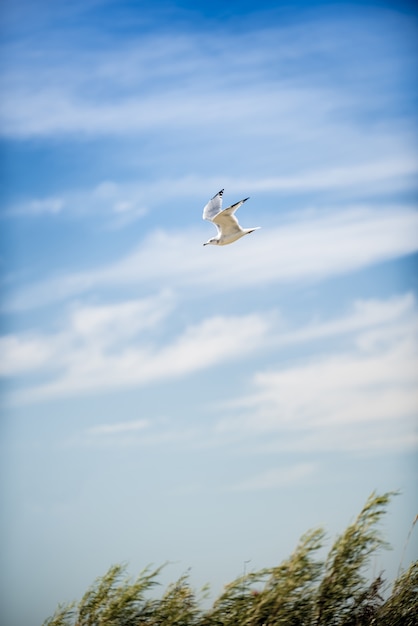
(137, 433)
(107, 347)
(35, 207)
(130, 427)
(115, 205)
(121, 203)
(275, 478)
(370, 385)
(309, 246)
(356, 393)
(100, 327)
(366, 315)
(127, 91)
(21, 354)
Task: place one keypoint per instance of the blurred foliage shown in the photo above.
(304, 590)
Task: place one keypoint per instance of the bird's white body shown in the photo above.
(225, 221)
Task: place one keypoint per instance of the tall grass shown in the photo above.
(304, 590)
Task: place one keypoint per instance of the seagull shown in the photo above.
(225, 221)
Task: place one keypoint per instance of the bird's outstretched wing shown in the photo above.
(226, 220)
(213, 207)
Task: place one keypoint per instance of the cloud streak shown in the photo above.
(275, 478)
(359, 397)
(129, 201)
(127, 91)
(308, 247)
(109, 347)
(357, 393)
(121, 428)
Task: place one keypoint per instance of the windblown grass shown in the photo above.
(302, 591)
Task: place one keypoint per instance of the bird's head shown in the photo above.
(214, 242)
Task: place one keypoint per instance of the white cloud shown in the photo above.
(369, 315)
(336, 390)
(132, 426)
(101, 92)
(119, 345)
(370, 176)
(94, 328)
(361, 397)
(366, 377)
(61, 103)
(310, 246)
(136, 433)
(35, 207)
(114, 204)
(109, 324)
(215, 340)
(119, 204)
(21, 354)
(357, 394)
(275, 478)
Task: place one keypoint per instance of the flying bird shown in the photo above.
(225, 221)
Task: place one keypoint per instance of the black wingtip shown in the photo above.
(245, 199)
(218, 194)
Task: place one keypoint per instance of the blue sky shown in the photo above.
(165, 401)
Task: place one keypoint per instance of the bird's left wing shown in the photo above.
(213, 207)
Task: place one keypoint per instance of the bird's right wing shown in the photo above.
(234, 207)
(227, 221)
(213, 207)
